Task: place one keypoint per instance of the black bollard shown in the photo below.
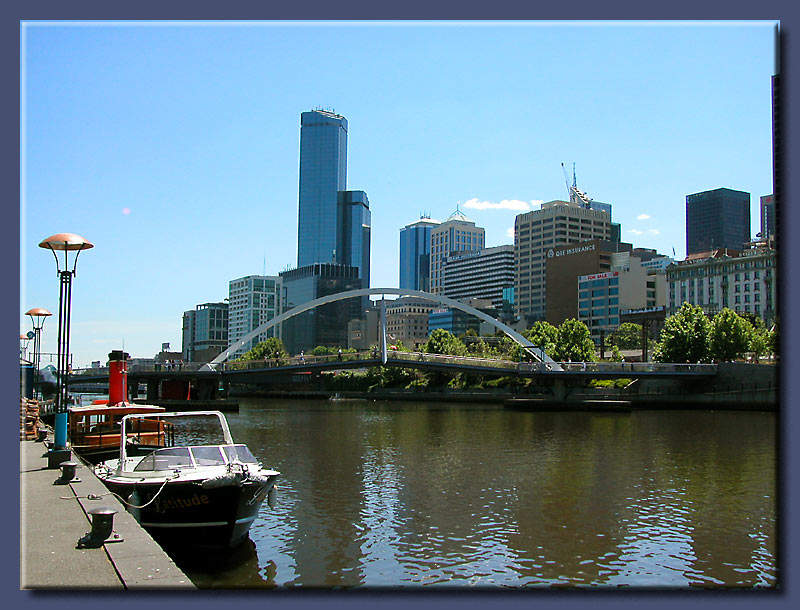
(67, 473)
(102, 526)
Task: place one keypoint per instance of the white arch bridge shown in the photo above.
(538, 353)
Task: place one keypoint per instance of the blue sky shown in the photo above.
(174, 147)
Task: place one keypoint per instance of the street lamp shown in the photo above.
(23, 350)
(38, 317)
(63, 242)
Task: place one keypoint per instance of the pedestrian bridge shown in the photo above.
(262, 371)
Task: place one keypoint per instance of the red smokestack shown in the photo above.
(117, 377)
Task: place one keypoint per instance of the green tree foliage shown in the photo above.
(574, 342)
(441, 341)
(627, 336)
(272, 348)
(729, 337)
(542, 334)
(684, 337)
(759, 339)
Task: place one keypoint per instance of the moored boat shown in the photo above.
(192, 494)
(94, 430)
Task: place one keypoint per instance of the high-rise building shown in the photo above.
(455, 235)
(252, 301)
(479, 274)
(205, 332)
(715, 219)
(323, 173)
(536, 234)
(327, 324)
(333, 224)
(415, 254)
(767, 216)
(407, 320)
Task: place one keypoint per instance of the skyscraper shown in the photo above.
(536, 236)
(717, 219)
(334, 224)
(252, 301)
(323, 173)
(415, 254)
(456, 234)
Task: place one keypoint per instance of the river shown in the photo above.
(439, 495)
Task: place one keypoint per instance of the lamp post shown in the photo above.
(38, 317)
(66, 243)
(23, 350)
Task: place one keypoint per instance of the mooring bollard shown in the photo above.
(102, 526)
(67, 473)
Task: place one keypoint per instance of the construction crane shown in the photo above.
(575, 194)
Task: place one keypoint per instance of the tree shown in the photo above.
(684, 337)
(729, 337)
(442, 341)
(271, 348)
(543, 335)
(627, 336)
(574, 342)
(759, 338)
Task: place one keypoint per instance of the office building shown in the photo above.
(717, 219)
(252, 301)
(205, 332)
(415, 254)
(479, 274)
(334, 224)
(564, 264)
(407, 320)
(537, 234)
(454, 321)
(767, 217)
(327, 324)
(603, 296)
(742, 280)
(457, 234)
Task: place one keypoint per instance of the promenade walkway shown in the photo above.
(54, 517)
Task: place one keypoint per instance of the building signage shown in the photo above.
(577, 249)
(599, 276)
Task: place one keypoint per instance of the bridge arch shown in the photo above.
(536, 352)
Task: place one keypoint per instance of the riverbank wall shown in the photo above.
(736, 386)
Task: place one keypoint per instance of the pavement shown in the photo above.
(54, 517)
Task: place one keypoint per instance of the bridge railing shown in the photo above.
(465, 361)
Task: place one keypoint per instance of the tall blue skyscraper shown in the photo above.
(415, 254)
(334, 224)
(323, 173)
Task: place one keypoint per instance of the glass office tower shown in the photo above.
(415, 254)
(323, 173)
(717, 219)
(353, 241)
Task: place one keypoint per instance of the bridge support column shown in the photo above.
(560, 390)
(384, 352)
(152, 389)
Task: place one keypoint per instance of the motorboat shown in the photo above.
(94, 430)
(192, 493)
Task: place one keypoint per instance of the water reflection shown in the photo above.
(398, 494)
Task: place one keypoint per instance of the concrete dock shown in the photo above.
(54, 517)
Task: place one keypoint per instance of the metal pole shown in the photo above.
(384, 352)
(62, 394)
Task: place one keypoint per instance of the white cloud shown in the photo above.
(635, 232)
(510, 232)
(654, 231)
(506, 204)
(643, 217)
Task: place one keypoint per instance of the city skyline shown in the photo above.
(175, 149)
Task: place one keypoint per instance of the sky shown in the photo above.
(174, 147)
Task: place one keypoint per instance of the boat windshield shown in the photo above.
(189, 457)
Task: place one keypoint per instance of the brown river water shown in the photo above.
(436, 495)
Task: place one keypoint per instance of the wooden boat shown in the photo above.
(191, 495)
(94, 430)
